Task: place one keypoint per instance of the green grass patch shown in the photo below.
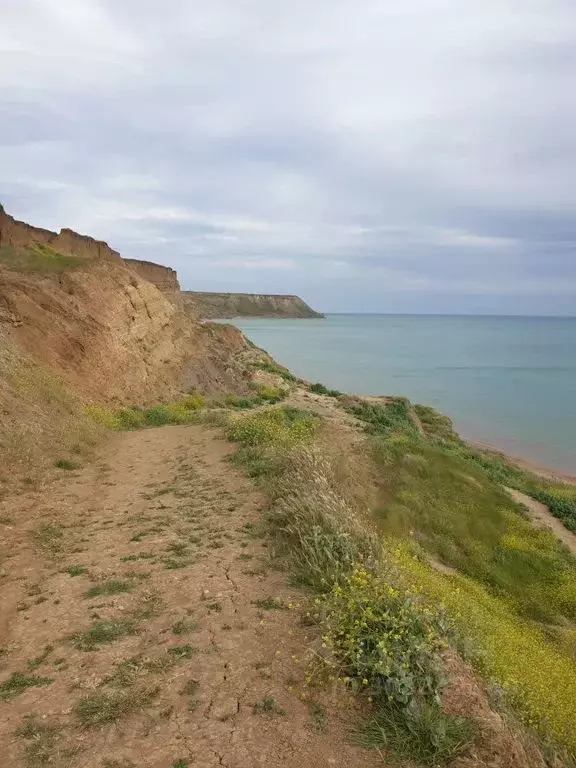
(128, 671)
(537, 677)
(180, 652)
(75, 570)
(321, 389)
(38, 258)
(67, 464)
(271, 367)
(102, 708)
(101, 632)
(109, 587)
(267, 706)
(18, 682)
(423, 734)
(41, 742)
(184, 627)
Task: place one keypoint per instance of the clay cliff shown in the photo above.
(71, 303)
(16, 234)
(164, 278)
(226, 305)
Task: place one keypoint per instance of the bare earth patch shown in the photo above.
(140, 610)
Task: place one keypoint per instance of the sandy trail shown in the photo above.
(167, 516)
(543, 518)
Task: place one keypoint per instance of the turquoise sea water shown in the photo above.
(507, 381)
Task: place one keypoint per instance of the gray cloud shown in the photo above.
(372, 156)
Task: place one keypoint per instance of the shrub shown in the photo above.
(283, 427)
(272, 367)
(193, 401)
(103, 416)
(130, 418)
(385, 638)
(170, 413)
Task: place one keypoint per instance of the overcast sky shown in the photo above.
(371, 155)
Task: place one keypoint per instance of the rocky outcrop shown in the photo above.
(226, 305)
(18, 234)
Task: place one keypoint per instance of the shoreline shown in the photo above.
(546, 473)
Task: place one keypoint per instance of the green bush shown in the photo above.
(271, 367)
(281, 426)
(320, 389)
(385, 418)
(193, 401)
(385, 638)
(171, 413)
(130, 418)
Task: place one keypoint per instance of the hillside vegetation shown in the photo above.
(436, 556)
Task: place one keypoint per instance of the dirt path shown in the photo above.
(544, 518)
(187, 651)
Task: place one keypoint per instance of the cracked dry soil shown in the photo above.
(148, 625)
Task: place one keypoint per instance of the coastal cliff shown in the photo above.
(226, 305)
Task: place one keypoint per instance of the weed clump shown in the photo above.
(101, 708)
(109, 587)
(102, 631)
(321, 389)
(18, 682)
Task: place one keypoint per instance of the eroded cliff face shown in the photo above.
(112, 335)
(18, 234)
(164, 278)
(226, 305)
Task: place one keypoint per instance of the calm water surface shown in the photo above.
(508, 381)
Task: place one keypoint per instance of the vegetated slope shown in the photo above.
(226, 305)
(72, 312)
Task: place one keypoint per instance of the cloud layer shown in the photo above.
(414, 156)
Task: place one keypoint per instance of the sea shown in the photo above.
(509, 382)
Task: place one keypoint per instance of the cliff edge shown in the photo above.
(226, 305)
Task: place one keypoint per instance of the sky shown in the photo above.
(369, 155)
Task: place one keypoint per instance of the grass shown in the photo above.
(75, 570)
(49, 537)
(180, 652)
(560, 498)
(468, 522)
(38, 258)
(102, 708)
(425, 736)
(128, 671)
(272, 367)
(317, 714)
(18, 682)
(267, 706)
(184, 627)
(40, 739)
(67, 464)
(109, 587)
(270, 604)
(320, 389)
(512, 597)
(181, 411)
(103, 631)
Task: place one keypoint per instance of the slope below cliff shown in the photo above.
(226, 305)
(75, 317)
